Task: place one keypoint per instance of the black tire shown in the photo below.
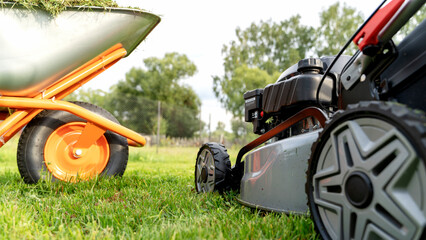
(212, 169)
(367, 174)
(30, 154)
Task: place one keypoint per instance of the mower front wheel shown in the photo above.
(212, 169)
(46, 146)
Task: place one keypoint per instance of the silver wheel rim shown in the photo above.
(205, 172)
(379, 152)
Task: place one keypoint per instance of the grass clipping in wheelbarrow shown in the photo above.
(54, 7)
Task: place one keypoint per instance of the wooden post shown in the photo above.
(158, 124)
(210, 131)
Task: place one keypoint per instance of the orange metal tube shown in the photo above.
(22, 118)
(11, 121)
(80, 83)
(25, 103)
(73, 79)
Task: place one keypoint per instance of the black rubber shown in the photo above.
(30, 154)
(412, 123)
(222, 165)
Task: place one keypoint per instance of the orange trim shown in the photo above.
(307, 112)
(25, 103)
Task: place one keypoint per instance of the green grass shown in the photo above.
(155, 199)
(56, 6)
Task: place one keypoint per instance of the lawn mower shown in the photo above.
(44, 58)
(344, 137)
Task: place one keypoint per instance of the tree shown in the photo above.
(230, 91)
(134, 100)
(338, 24)
(257, 57)
(270, 46)
(411, 25)
(160, 80)
(94, 96)
(220, 127)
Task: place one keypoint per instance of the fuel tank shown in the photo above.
(275, 175)
(36, 48)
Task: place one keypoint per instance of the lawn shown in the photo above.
(155, 199)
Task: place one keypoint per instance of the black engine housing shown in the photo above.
(295, 89)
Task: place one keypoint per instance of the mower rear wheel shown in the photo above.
(46, 146)
(367, 174)
(212, 169)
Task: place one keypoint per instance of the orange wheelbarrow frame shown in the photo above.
(23, 109)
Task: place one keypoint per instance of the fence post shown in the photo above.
(201, 130)
(158, 124)
(210, 131)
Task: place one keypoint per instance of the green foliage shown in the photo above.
(221, 135)
(163, 126)
(54, 7)
(155, 199)
(411, 24)
(258, 56)
(269, 46)
(161, 80)
(94, 96)
(230, 90)
(337, 25)
(242, 131)
(134, 100)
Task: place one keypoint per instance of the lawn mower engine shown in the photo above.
(286, 154)
(343, 137)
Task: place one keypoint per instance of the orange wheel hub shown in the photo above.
(62, 161)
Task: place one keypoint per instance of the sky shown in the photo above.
(200, 28)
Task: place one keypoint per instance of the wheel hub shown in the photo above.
(367, 174)
(68, 164)
(359, 189)
(204, 174)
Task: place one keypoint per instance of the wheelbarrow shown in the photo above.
(42, 60)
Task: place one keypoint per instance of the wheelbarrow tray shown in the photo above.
(36, 48)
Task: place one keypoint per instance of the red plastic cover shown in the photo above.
(369, 34)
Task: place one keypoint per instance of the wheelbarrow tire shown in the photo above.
(31, 147)
(212, 169)
(367, 174)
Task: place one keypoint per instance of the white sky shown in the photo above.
(200, 28)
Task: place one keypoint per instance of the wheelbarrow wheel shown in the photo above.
(367, 174)
(45, 148)
(212, 169)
